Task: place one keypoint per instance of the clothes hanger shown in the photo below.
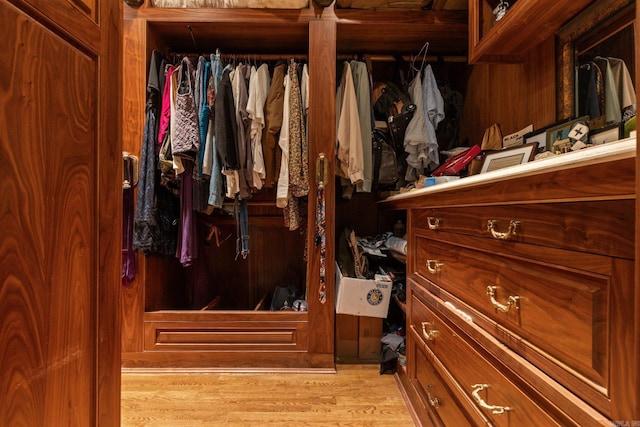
(422, 52)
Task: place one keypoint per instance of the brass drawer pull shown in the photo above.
(512, 301)
(434, 402)
(511, 231)
(430, 334)
(496, 410)
(433, 222)
(434, 266)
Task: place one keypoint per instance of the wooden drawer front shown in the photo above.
(603, 227)
(563, 312)
(434, 392)
(479, 378)
(178, 336)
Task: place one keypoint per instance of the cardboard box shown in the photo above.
(361, 297)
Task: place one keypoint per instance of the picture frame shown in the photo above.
(538, 136)
(511, 156)
(559, 132)
(605, 134)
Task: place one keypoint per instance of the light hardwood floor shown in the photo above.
(357, 395)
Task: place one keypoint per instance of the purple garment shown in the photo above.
(187, 250)
(128, 256)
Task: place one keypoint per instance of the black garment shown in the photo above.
(155, 227)
(145, 229)
(588, 103)
(225, 124)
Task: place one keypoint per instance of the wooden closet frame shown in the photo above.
(245, 340)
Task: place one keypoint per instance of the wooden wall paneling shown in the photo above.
(134, 69)
(346, 337)
(109, 206)
(512, 95)
(634, 374)
(322, 81)
(61, 239)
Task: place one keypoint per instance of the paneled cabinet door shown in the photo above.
(61, 212)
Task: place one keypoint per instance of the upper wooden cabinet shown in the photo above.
(525, 25)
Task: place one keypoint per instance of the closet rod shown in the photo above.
(246, 56)
(428, 58)
(340, 57)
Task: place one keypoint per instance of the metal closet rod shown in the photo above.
(340, 57)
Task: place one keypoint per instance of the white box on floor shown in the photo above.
(362, 297)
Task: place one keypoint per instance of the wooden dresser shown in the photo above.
(522, 301)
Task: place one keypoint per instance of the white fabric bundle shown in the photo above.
(396, 244)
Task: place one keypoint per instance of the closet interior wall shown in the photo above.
(158, 332)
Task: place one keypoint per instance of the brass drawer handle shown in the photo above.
(434, 266)
(433, 222)
(434, 402)
(506, 235)
(430, 334)
(512, 301)
(496, 410)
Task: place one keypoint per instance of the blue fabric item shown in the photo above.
(216, 184)
(203, 116)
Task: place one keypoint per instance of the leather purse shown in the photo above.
(385, 163)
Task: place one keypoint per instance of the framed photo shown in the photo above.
(606, 134)
(511, 156)
(557, 136)
(539, 136)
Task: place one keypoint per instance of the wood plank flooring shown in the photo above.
(357, 395)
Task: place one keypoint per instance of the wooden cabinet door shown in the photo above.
(60, 212)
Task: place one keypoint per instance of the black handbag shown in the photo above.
(385, 164)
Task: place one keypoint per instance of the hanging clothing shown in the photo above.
(282, 192)
(240, 82)
(185, 139)
(298, 147)
(362, 87)
(200, 180)
(258, 91)
(212, 163)
(226, 133)
(612, 111)
(273, 122)
(350, 160)
(589, 77)
(187, 248)
(433, 105)
(165, 116)
(298, 153)
(420, 142)
(128, 256)
(625, 89)
(203, 108)
(145, 226)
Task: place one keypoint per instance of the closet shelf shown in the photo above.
(525, 25)
(287, 31)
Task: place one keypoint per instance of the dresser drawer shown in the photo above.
(562, 312)
(481, 379)
(602, 227)
(437, 394)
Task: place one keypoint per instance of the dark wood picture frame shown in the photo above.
(511, 156)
